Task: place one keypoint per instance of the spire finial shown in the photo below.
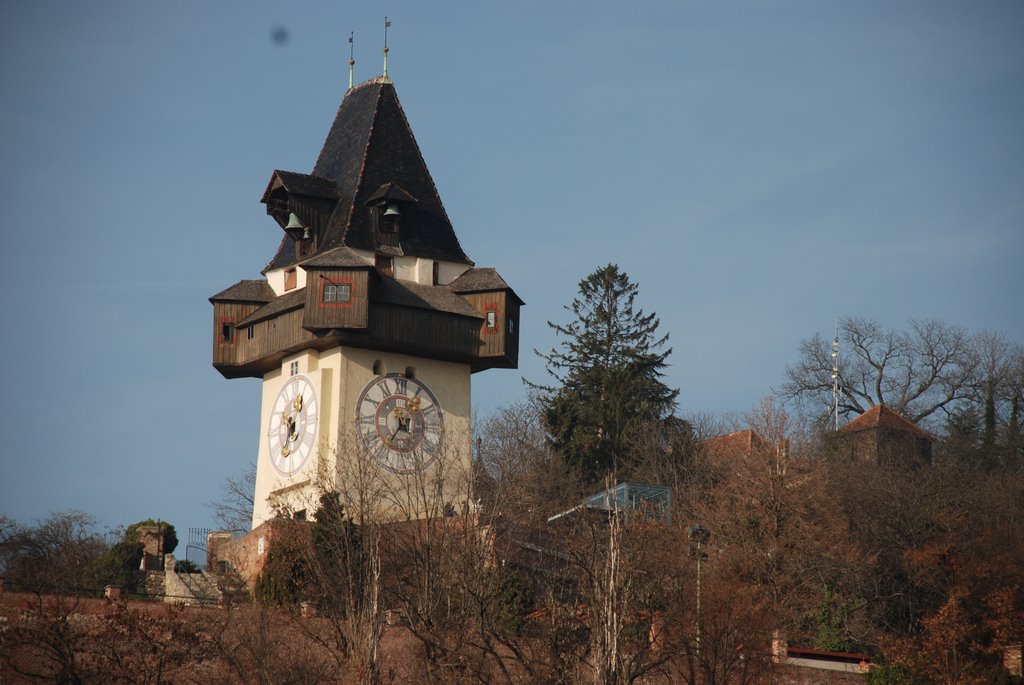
(351, 57)
(387, 25)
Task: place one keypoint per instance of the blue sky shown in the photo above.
(757, 167)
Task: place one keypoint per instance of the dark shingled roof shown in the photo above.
(881, 416)
(246, 291)
(411, 294)
(474, 280)
(303, 184)
(292, 300)
(369, 146)
(338, 257)
(390, 191)
(481, 280)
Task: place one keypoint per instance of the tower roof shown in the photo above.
(482, 280)
(371, 154)
(246, 291)
(881, 416)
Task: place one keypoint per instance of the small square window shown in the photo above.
(250, 332)
(337, 292)
(291, 279)
(511, 327)
(294, 368)
(227, 332)
(492, 319)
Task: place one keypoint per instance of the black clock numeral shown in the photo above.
(401, 386)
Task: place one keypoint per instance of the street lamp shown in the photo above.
(699, 535)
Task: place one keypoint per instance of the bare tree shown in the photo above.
(233, 511)
(1000, 394)
(56, 556)
(930, 368)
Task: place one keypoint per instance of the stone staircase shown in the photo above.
(185, 588)
(203, 588)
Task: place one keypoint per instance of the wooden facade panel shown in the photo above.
(325, 314)
(273, 335)
(422, 330)
(226, 338)
(499, 331)
(314, 211)
(512, 331)
(418, 331)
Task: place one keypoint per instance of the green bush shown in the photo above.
(892, 675)
(131, 534)
(119, 565)
(515, 597)
(186, 566)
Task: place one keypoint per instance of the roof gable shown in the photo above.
(390, 191)
(246, 291)
(339, 257)
(482, 279)
(881, 416)
(301, 184)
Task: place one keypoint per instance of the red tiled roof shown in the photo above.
(743, 442)
(881, 416)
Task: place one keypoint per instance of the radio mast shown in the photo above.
(835, 376)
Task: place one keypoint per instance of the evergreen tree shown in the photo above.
(608, 373)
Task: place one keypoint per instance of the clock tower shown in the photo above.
(365, 328)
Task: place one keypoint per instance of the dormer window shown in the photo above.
(388, 204)
(389, 219)
(291, 279)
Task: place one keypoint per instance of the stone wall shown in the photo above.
(246, 555)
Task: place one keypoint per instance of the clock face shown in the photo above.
(293, 423)
(399, 423)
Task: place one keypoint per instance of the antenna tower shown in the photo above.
(835, 376)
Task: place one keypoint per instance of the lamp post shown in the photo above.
(699, 535)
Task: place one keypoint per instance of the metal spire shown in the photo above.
(351, 58)
(387, 25)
